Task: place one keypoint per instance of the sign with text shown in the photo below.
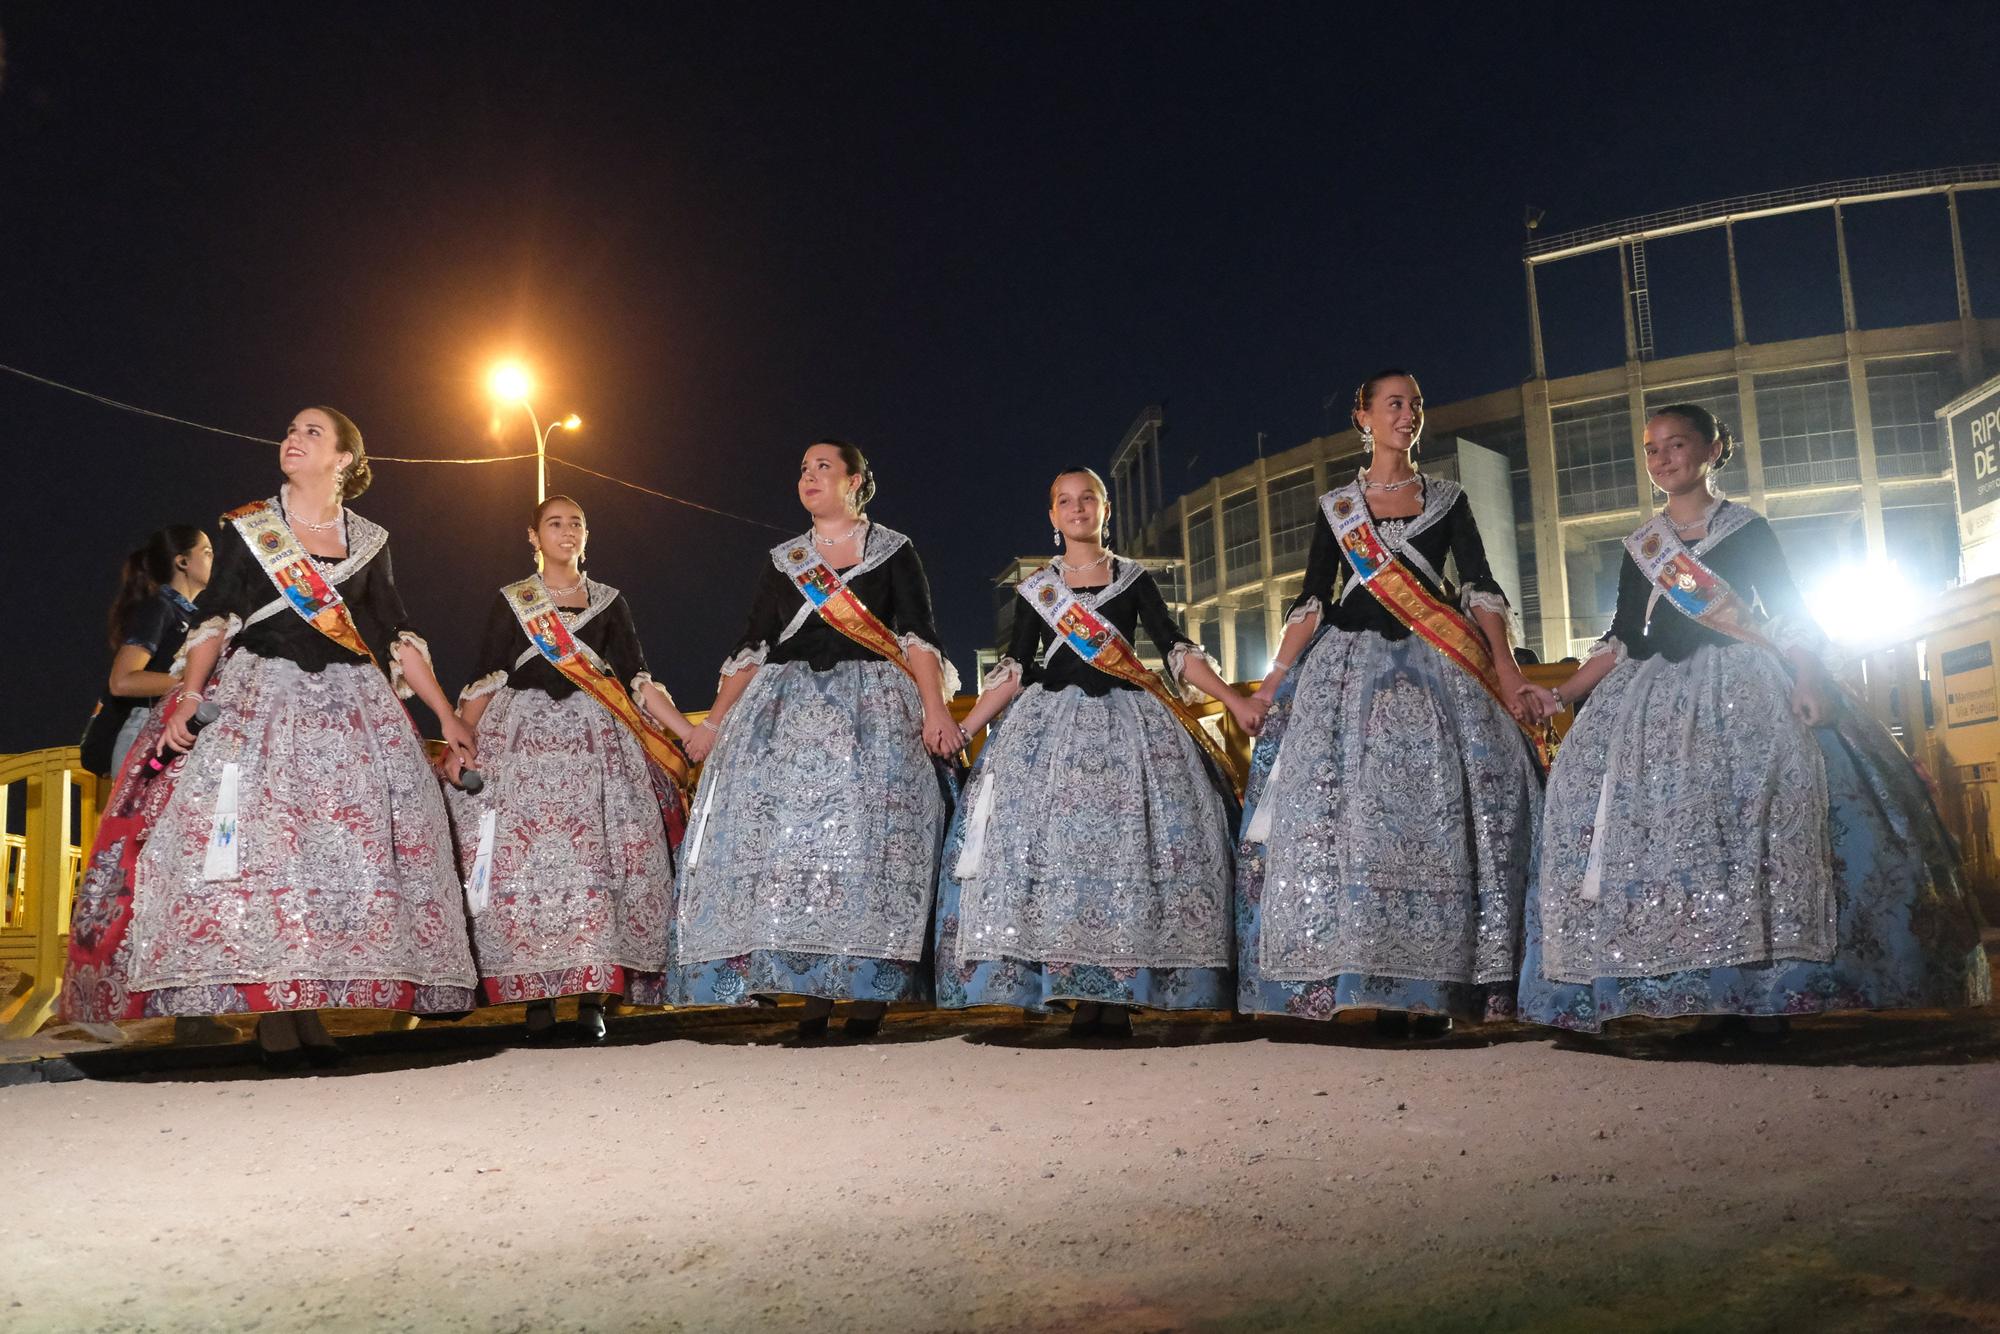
(1969, 693)
(1975, 453)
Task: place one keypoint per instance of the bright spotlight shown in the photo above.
(572, 422)
(1869, 601)
(510, 382)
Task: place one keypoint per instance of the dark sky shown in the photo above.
(976, 238)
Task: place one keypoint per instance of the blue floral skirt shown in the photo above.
(1101, 863)
(1409, 791)
(1906, 934)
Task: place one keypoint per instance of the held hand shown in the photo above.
(1512, 693)
(1250, 713)
(451, 764)
(941, 734)
(1811, 704)
(1539, 702)
(458, 740)
(177, 735)
(700, 742)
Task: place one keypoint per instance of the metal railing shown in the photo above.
(43, 865)
(1858, 190)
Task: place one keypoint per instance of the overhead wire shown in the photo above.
(381, 458)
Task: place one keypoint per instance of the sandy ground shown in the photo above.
(969, 1175)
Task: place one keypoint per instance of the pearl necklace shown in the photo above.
(326, 527)
(829, 543)
(1700, 521)
(1374, 485)
(555, 592)
(1065, 568)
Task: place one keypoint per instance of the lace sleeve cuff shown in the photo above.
(215, 627)
(488, 684)
(1609, 644)
(1472, 599)
(1799, 633)
(415, 641)
(1177, 659)
(639, 701)
(918, 644)
(1307, 609)
(750, 657)
(1000, 674)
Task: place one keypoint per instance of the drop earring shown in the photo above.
(1368, 437)
(1056, 533)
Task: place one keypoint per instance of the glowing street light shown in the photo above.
(511, 382)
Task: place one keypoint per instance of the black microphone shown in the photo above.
(205, 713)
(471, 782)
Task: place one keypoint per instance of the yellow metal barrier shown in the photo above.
(43, 863)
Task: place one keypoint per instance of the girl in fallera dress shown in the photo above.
(1090, 863)
(299, 858)
(1726, 835)
(566, 848)
(812, 847)
(1392, 794)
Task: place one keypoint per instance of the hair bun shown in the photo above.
(359, 477)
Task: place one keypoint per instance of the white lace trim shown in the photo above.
(1177, 657)
(639, 702)
(918, 644)
(1302, 613)
(489, 684)
(1472, 599)
(224, 627)
(749, 657)
(999, 674)
(396, 681)
(1608, 644)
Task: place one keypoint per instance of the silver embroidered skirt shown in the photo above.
(1748, 865)
(812, 849)
(344, 894)
(1389, 868)
(1099, 862)
(1686, 824)
(582, 876)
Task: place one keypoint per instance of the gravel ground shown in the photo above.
(963, 1174)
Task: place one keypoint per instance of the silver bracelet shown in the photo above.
(709, 723)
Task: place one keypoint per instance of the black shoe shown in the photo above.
(1083, 1019)
(813, 1026)
(864, 1021)
(590, 1021)
(1430, 1026)
(541, 1019)
(1768, 1030)
(1114, 1023)
(1392, 1024)
(278, 1044)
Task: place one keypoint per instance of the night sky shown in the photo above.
(975, 238)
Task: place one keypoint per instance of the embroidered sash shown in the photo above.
(1692, 588)
(1437, 623)
(829, 595)
(298, 580)
(1097, 642)
(583, 668)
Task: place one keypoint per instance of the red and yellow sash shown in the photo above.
(1098, 643)
(1437, 623)
(298, 580)
(580, 665)
(1692, 588)
(828, 594)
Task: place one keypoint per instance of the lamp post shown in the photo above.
(510, 382)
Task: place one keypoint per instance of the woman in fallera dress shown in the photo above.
(1725, 834)
(1090, 862)
(299, 858)
(1392, 794)
(812, 848)
(565, 849)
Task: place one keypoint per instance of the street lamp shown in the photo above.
(510, 382)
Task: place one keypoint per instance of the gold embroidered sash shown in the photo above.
(1688, 585)
(829, 595)
(298, 580)
(582, 667)
(1438, 624)
(1097, 642)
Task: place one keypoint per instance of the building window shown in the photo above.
(1923, 541)
(1902, 395)
(1201, 555)
(1593, 589)
(1720, 398)
(1595, 469)
(1253, 651)
(1294, 514)
(1208, 633)
(1805, 428)
(1242, 554)
(1818, 545)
